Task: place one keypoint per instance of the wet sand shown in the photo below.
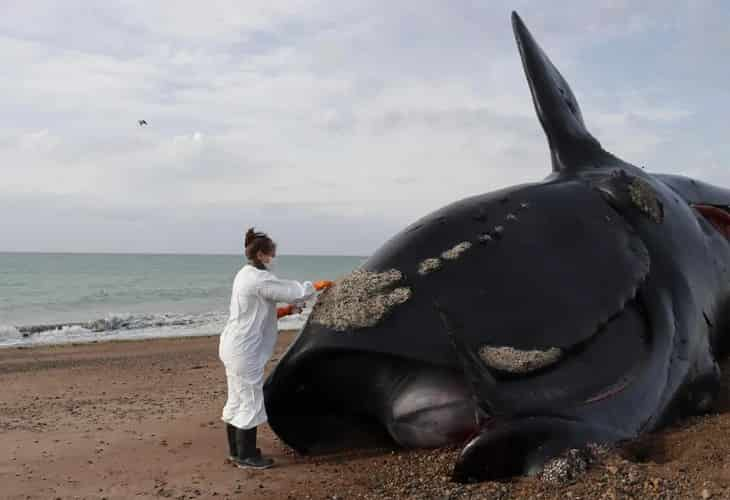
(142, 420)
(137, 420)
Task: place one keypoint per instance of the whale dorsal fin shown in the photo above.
(572, 147)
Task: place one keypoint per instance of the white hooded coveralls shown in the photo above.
(247, 341)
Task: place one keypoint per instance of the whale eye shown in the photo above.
(717, 216)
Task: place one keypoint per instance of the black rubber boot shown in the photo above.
(249, 457)
(232, 448)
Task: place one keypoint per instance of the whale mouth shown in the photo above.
(312, 412)
(352, 399)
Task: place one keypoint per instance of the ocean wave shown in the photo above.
(129, 326)
(8, 331)
(124, 321)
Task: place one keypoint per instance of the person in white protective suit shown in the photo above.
(247, 343)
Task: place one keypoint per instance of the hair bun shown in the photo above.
(250, 236)
(256, 242)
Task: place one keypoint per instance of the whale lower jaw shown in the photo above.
(375, 398)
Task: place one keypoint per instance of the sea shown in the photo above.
(59, 298)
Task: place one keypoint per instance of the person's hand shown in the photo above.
(284, 311)
(288, 310)
(323, 285)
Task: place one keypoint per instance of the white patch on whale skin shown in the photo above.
(456, 251)
(511, 360)
(359, 300)
(645, 198)
(432, 264)
(428, 266)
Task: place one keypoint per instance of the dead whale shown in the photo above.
(589, 307)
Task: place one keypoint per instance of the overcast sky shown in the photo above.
(329, 124)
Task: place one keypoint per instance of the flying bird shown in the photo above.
(142, 123)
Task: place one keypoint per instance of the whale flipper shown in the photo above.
(572, 146)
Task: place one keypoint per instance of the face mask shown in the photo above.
(271, 266)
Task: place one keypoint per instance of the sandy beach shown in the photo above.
(141, 420)
(135, 420)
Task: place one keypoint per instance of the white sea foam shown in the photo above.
(129, 326)
(8, 332)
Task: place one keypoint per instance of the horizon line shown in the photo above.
(39, 252)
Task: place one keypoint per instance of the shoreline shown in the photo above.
(78, 343)
(116, 341)
(127, 327)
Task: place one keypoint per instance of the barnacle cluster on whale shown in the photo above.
(359, 300)
(455, 252)
(645, 198)
(511, 360)
(429, 265)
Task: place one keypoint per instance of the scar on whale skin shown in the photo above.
(359, 300)
(511, 360)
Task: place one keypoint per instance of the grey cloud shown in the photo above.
(455, 119)
(332, 122)
(66, 223)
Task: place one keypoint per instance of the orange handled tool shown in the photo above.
(323, 285)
